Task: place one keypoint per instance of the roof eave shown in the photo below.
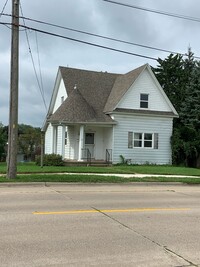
(148, 113)
(81, 123)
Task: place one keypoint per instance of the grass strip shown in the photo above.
(30, 167)
(76, 178)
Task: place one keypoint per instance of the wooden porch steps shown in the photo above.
(93, 163)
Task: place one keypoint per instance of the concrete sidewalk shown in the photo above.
(123, 175)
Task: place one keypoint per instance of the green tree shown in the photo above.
(188, 64)
(190, 109)
(29, 141)
(3, 142)
(180, 79)
(170, 74)
(190, 117)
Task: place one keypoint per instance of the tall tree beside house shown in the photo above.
(188, 64)
(171, 75)
(190, 117)
(180, 80)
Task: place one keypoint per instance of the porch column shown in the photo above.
(63, 142)
(81, 138)
(54, 141)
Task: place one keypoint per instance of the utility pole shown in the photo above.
(14, 80)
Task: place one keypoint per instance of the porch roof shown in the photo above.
(76, 109)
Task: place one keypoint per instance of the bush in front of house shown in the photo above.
(50, 160)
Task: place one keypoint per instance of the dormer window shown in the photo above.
(144, 100)
(62, 99)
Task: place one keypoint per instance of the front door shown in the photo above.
(89, 143)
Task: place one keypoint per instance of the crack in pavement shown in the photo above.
(169, 251)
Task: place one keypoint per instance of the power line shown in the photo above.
(3, 8)
(39, 64)
(80, 41)
(155, 11)
(87, 43)
(102, 36)
(33, 63)
(83, 42)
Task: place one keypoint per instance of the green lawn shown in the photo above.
(145, 169)
(29, 172)
(91, 178)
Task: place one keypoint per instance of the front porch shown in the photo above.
(89, 144)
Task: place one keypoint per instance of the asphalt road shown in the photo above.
(100, 225)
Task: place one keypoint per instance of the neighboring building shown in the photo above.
(109, 115)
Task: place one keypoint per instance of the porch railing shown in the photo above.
(108, 155)
(86, 154)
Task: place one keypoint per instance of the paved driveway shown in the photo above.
(100, 225)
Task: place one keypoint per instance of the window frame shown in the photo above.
(144, 103)
(142, 139)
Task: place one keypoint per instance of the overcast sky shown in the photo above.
(94, 16)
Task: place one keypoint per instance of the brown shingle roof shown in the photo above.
(97, 94)
(86, 103)
(121, 85)
(74, 109)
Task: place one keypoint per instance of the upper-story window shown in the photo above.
(144, 100)
(62, 99)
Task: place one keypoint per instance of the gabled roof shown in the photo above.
(86, 103)
(121, 85)
(96, 95)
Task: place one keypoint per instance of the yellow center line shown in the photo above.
(108, 211)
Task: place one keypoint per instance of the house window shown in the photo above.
(144, 100)
(62, 99)
(143, 140)
(148, 140)
(66, 135)
(137, 139)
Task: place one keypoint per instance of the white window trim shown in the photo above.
(154, 141)
(144, 101)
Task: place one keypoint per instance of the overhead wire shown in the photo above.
(102, 36)
(3, 8)
(154, 11)
(40, 86)
(39, 63)
(86, 42)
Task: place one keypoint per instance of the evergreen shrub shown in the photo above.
(50, 160)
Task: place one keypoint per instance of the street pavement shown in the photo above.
(59, 225)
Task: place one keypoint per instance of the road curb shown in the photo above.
(49, 184)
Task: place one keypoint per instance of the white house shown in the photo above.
(101, 116)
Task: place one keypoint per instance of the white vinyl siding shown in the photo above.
(61, 95)
(144, 85)
(70, 143)
(48, 149)
(161, 128)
